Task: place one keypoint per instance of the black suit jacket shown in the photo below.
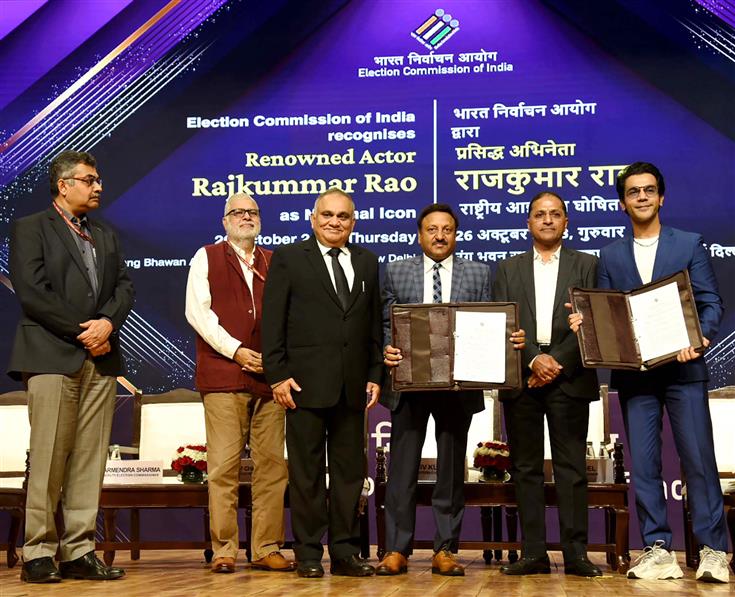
(308, 336)
(55, 293)
(514, 281)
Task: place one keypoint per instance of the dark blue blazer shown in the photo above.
(677, 250)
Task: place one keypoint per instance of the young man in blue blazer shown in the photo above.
(652, 252)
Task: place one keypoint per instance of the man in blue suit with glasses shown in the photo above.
(653, 252)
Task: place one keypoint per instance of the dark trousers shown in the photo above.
(567, 420)
(408, 431)
(691, 425)
(312, 434)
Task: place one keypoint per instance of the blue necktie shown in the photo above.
(437, 284)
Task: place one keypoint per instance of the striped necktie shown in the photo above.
(437, 283)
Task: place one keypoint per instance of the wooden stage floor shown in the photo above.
(183, 573)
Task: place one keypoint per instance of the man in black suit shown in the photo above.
(322, 357)
(75, 294)
(555, 385)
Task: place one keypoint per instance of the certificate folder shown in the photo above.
(612, 337)
(425, 333)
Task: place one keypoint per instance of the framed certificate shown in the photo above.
(455, 346)
(640, 329)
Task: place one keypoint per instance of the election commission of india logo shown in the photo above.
(436, 29)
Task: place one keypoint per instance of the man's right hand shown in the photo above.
(249, 360)
(546, 368)
(282, 392)
(98, 351)
(392, 356)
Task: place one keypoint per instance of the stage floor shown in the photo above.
(183, 573)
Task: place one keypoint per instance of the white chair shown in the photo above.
(15, 435)
(722, 411)
(15, 438)
(162, 423)
(167, 421)
(485, 427)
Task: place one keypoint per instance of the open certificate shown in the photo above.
(658, 322)
(640, 329)
(455, 346)
(479, 346)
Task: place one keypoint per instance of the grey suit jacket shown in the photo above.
(514, 282)
(404, 283)
(55, 293)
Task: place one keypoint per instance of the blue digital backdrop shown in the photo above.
(479, 104)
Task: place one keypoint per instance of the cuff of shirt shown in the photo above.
(230, 348)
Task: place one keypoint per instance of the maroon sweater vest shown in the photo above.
(233, 304)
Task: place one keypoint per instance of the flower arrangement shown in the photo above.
(494, 460)
(190, 457)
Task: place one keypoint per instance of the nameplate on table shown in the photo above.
(133, 472)
(599, 470)
(428, 469)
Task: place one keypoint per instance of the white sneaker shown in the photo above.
(655, 563)
(712, 566)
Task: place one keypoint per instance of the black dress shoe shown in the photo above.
(525, 566)
(40, 570)
(89, 567)
(352, 566)
(581, 566)
(309, 569)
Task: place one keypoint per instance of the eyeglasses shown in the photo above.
(634, 192)
(88, 180)
(240, 213)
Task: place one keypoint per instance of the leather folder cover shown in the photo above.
(425, 335)
(607, 336)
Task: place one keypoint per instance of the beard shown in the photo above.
(238, 235)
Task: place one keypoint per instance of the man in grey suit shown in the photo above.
(74, 290)
(555, 385)
(436, 276)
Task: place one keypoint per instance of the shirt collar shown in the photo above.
(325, 249)
(554, 256)
(81, 219)
(446, 264)
(242, 253)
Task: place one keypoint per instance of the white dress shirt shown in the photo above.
(545, 274)
(345, 260)
(445, 275)
(199, 312)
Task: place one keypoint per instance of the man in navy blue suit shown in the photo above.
(436, 276)
(651, 253)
